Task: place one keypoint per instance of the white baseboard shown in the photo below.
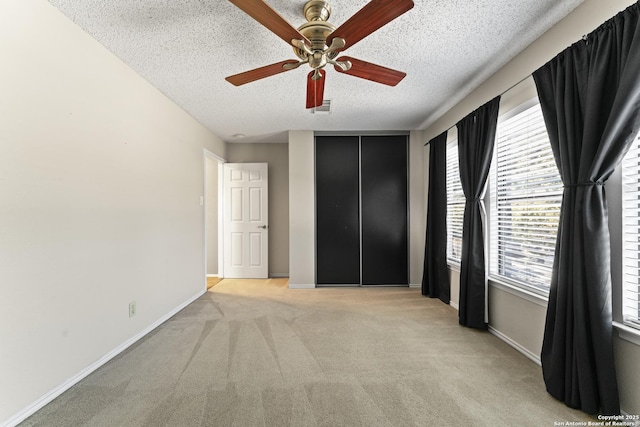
(415, 285)
(278, 275)
(535, 358)
(302, 286)
(51, 395)
(213, 275)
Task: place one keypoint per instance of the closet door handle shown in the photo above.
(264, 227)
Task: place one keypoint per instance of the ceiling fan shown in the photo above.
(318, 42)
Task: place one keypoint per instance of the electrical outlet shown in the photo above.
(132, 309)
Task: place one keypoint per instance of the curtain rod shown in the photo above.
(507, 90)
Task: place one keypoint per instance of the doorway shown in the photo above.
(245, 220)
(212, 203)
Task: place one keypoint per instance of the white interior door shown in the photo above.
(246, 220)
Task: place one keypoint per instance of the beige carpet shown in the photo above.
(255, 353)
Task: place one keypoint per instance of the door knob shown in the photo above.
(264, 227)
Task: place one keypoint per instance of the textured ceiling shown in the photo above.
(186, 48)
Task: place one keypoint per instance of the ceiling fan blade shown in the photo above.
(260, 73)
(264, 14)
(315, 89)
(370, 18)
(369, 71)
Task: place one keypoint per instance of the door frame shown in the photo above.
(212, 156)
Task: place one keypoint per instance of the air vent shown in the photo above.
(325, 108)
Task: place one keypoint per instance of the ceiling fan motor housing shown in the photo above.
(316, 30)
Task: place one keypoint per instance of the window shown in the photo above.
(525, 192)
(631, 233)
(455, 205)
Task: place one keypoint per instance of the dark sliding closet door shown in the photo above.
(337, 210)
(384, 210)
(361, 210)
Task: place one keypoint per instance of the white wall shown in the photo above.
(100, 185)
(302, 267)
(302, 208)
(417, 207)
(517, 318)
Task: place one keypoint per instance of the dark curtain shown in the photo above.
(476, 135)
(590, 97)
(435, 279)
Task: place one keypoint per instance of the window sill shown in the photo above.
(533, 297)
(627, 333)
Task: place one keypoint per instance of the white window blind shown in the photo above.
(526, 192)
(631, 232)
(455, 205)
